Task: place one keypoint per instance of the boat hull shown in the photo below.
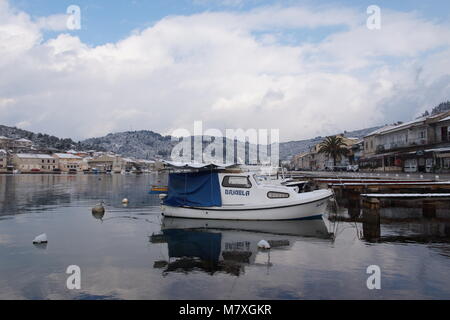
(313, 209)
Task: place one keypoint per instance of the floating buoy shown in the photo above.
(40, 239)
(162, 196)
(263, 244)
(99, 208)
(125, 201)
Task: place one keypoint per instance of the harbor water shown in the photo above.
(133, 252)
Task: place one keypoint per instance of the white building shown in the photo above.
(3, 161)
(69, 162)
(34, 163)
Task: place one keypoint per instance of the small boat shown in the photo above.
(159, 190)
(225, 193)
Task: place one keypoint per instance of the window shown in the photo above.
(277, 195)
(446, 163)
(445, 133)
(236, 182)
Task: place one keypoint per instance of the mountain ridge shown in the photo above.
(147, 144)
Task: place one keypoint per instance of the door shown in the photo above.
(429, 165)
(411, 165)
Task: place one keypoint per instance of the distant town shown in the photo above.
(21, 156)
(420, 145)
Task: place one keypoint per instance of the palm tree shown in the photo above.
(333, 147)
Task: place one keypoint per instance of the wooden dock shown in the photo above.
(406, 196)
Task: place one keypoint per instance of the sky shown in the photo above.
(308, 68)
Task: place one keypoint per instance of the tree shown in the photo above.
(333, 147)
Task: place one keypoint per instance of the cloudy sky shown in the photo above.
(309, 68)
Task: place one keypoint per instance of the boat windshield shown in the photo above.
(260, 179)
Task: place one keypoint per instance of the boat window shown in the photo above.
(277, 195)
(259, 179)
(236, 182)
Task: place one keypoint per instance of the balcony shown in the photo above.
(400, 144)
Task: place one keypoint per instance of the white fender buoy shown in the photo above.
(162, 196)
(263, 244)
(40, 239)
(125, 201)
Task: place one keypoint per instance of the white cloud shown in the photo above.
(57, 22)
(214, 67)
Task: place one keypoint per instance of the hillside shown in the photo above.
(145, 144)
(39, 139)
(148, 144)
(139, 144)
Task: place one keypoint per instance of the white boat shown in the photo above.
(214, 192)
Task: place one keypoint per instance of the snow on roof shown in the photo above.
(438, 150)
(4, 138)
(403, 125)
(2, 151)
(67, 156)
(445, 119)
(23, 140)
(33, 156)
(407, 124)
(380, 130)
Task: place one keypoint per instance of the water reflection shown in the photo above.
(227, 246)
(24, 193)
(119, 262)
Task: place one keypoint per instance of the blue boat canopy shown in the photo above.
(194, 189)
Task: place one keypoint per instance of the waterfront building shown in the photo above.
(34, 163)
(5, 143)
(105, 163)
(314, 160)
(69, 162)
(3, 161)
(421, 145)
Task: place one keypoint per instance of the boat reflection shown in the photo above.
(228, 246)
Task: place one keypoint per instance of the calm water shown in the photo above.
(133, 253)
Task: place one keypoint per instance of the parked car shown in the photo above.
(352, 168)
